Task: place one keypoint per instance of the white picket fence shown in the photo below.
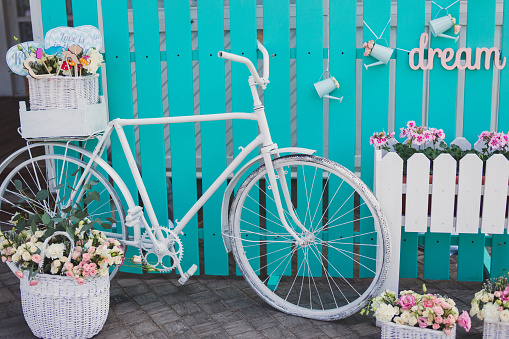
(443, 186)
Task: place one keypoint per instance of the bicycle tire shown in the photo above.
(279, 293)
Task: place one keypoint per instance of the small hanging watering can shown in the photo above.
(325, 86)
(382, 53)
(440, 25)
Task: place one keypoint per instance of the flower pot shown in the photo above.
(391, 330)
(496, 330)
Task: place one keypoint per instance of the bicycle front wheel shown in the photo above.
(345, 257)
(45, 184)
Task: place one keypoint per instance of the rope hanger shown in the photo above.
(443, 8)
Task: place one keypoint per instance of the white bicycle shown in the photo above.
(320, 255)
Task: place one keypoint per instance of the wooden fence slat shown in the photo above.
(495, 194)
(54, 14)
(389, 191)
(213, 134)
(469, 194)
(276, 39)
(342, 64)
(409, 253)
(177, 16)
(375, 108)
(120, 95)
(417, 193)
(478, 83)
(443, 192)
(503, 100)
(309, 39)
(150, 105)
(243, 42)
(499, 254)
(443, 83)
(408, 92)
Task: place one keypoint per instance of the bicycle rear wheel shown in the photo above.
(57, 176)
(345, 259)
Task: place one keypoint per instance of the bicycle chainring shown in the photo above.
(171, 254)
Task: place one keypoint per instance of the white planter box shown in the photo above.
(54, 123)
(495, 330)
(391, 330)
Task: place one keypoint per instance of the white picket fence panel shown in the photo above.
(446, 188)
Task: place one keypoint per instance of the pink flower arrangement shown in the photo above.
(492, 302)
(368, 47)
(457, 28)
(421, 310)
(494, 141)
(380, 139)
(414, 134)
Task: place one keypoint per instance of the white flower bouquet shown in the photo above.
(422, 311)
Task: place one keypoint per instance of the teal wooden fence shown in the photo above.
(161, 60)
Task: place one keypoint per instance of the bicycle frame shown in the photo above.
(263, 139)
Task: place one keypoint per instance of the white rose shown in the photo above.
(504, 316)
(95, 232)
(63, 258)
(33, 238)
(33, 249)
(490, 296)
(15, 257)
(405, 316)
(412, 321)
(89, 243)
(425, 314)
(485, 298)
(414, 308)
(490, 312)
(118, 260)
(399, 321)
(26, 256)
(475, 309)
(385, 312)
(55, 251)
(39, 234)
(480, 316)
(103, 272)
(137, 260)
(56, 263)
(54, 270)
(96, 59)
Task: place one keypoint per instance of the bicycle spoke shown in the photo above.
(351, 221)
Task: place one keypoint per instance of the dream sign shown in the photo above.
(85, 36)
(16, 57)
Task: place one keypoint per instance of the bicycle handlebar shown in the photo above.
(262, 81)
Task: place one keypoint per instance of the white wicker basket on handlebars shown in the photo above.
(58, 307)
(63, 92)
(392, 330)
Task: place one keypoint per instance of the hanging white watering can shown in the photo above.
(382, 53)
(440, 25)
(326, 86)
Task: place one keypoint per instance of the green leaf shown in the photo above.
(70, 231)
(21, 224)
(57, 219)
(16, 217)
(76, 172)
(94, 182)
(45, 218)
(33, 227)
(59, 186)
(87, 227)
(75, 219)
(87, 187)
(110, 219)
(105, 225)
(42, 194)
(22, 199)
(67, 209)
(81, 215)
(18, 185)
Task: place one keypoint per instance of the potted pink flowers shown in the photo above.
(368, 47)
(415, 315)
(491, 304)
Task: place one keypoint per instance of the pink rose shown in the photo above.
(457, 29)
(438, 320)
(9, 259)
(19, 274)
(68, 266)
(91, 250)
(428, 302)
(500, 308)
(86, 257)
(36, 258)
(465, 321)
(106, 244)
(423, 322)
(85, 273)
(111, 240)
(447, 331)
(445, 305)
(366, 53)
(497, 294)
(436, 326)
(93, 266)
(75, 255)
(86, 267)
(93, 272)
(371, 44)
(4, 259)
(407, 301)
(33, 282)
(81, 281)
(69, 274)
(78, 248)
(438, 310)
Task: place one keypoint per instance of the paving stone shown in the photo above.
(175, 327)
(134, 317)
(186, 308)
(239, 303)
(155, 335)
(128, 281)
(6, 296)
(208, 328)
(164, 289)
(277, 332)
(126, 307)
(248, 335)
(118, 299)
(307, 331)
(263, 322)
(214, 307)
(116, 332)
(229, 293)
(144, 327)
(196, 319)
(146, 298)
(175, 298)
(136, 289)
(204, 297)
(9, 327)
(185, 335)
(165, 316)
(237, 327)
(194, 288)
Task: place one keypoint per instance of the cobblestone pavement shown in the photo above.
(156, 306)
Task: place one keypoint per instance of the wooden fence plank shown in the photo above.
(409, 252)
(499, 254)
(389, 191)
(120, 97)
(342, 64)
(150, 105)
(243, 42)
(408, 104)
(276, 39)
(495, 195)
(213, 134)
(503, 100)
(375, 107)
(443, 83)
(182, 140)
(309, 39)
(417, 193)
(54, 14)
(469, 194)
(443, 193)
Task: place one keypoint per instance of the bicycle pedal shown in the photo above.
(185, 277)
